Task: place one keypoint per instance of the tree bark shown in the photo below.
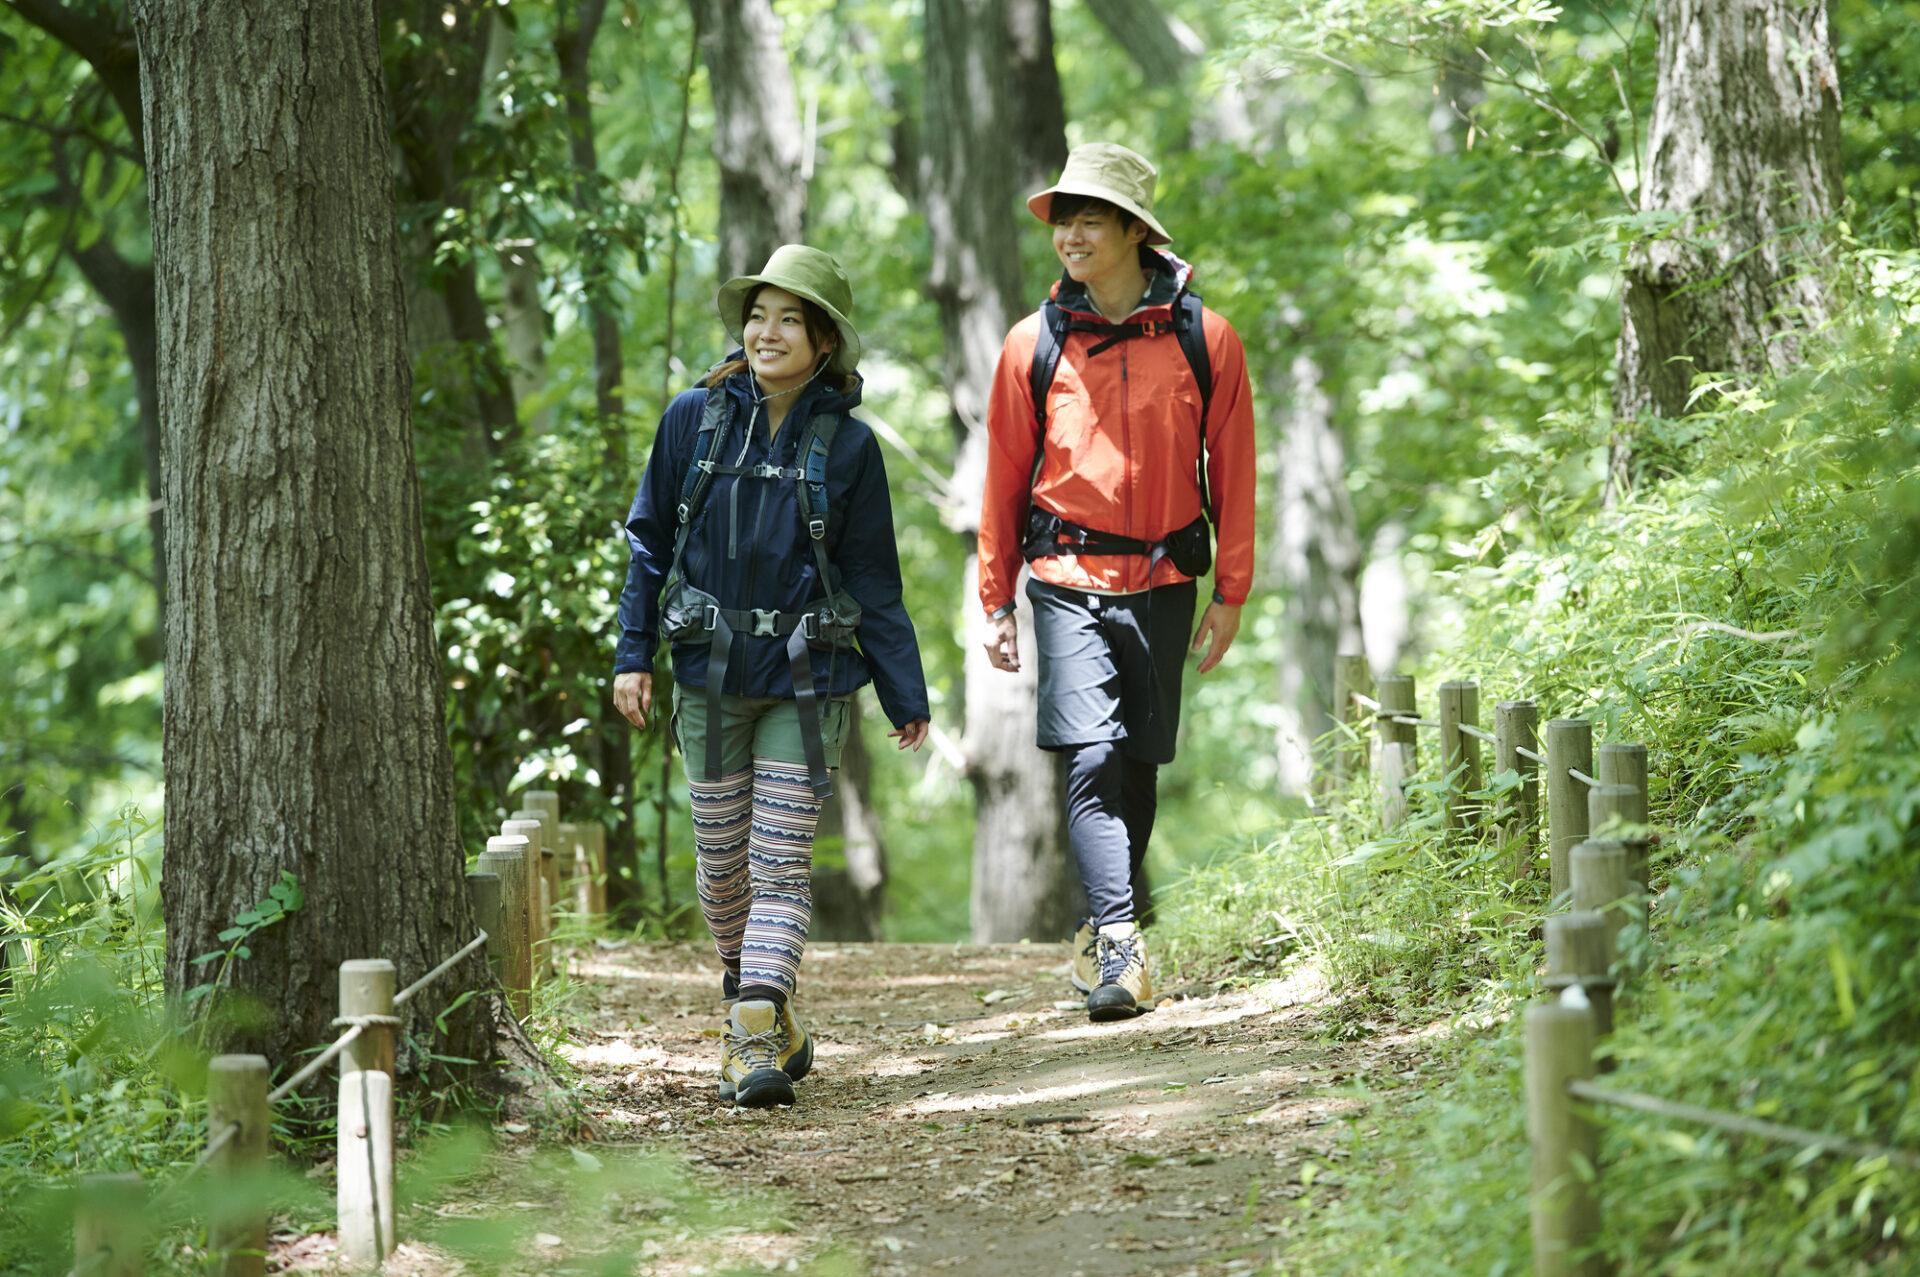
(1023, 882)
(304, 720)
(523, 316)
(1317, 557)
(1168, 51)
(756, 131)
(1039, 115)
(850, 900)
(1744, 149)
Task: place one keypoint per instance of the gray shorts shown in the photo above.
(1110, 666)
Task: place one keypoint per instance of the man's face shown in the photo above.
(1094, 248)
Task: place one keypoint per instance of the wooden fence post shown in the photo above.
(1399, 747)
(483, 892)
(363, 1161)
(1566, 1206)
(1353, 743)
(546, 801)
(1459, 752)
(505, 857)
(1569, 747)
(594, 835)
(237, 1222)
(110, 1226)
(1601, 884)
(1625, 763)
(539, 919)
(1577, 953)
(1513, 730)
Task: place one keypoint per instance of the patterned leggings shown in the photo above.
(753, 836)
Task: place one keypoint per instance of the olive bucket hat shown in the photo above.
(1111, 173)
(804, 272)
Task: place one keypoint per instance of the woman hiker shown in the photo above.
(764, 520)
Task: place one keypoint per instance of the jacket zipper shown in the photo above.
(1126, 443)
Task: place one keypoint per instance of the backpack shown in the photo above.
(1188, 547)
(691, 613)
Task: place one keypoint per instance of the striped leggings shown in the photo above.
(753, 838)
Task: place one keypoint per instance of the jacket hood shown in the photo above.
(1168, 278)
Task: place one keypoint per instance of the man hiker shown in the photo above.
(1120, 426)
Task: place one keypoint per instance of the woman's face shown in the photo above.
(779, 350)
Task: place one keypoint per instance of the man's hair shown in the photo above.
(1064, 206)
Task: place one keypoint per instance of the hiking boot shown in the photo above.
(1124, 990)
(1086, 971)
(729, 986)
(750, 1072)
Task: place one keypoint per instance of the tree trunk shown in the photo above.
(304, 720)
(435, 85)
(1039, 115)
(1168, 51)
(1022, 877)
(1317, 557)
(1744, 149)
(523, 317)
(756, 131)
(849, 901)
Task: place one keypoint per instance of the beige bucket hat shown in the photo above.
(804, 272)
(1109, 172)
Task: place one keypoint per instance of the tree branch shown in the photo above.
(107, 46)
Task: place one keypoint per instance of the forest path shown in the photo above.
(958, 1120)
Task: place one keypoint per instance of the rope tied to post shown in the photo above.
(400, 998)
(366, 1021)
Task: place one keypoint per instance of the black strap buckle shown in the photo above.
(810, 625)
(817, 529)
(712, 617)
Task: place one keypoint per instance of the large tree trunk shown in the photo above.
(1022, 877)
(304, 725)
(522, 314)
(1744, 148)
(1317, 558)
(1168, 51)
(756, 131)
(1039, 114)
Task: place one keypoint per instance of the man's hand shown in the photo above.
(1220, 623)
(1003, 643)
(912, 736)
(633, 696)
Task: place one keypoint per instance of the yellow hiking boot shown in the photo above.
(762, 1053)
(1086, 971)
(1125, 990)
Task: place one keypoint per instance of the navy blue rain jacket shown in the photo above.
(754, 553)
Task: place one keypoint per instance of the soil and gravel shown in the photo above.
(963, 1116)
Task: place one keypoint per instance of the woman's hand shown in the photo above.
(912, 736)
(633, 696)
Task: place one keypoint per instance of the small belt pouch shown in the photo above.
(688, 613)
(1190, 549)
(835, 623)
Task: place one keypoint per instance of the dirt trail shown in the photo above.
(958, 1121)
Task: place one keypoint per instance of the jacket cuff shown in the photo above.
(1005, 609)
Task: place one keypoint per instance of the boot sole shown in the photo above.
(761, 1089)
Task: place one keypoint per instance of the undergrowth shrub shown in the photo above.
(1751, 621)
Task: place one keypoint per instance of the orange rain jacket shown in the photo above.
(1123, 436)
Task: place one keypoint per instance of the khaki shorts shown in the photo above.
(752, 727)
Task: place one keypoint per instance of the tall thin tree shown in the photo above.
(1022, 881)
(756, 131)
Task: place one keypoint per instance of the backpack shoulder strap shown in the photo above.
(1190, 328)
(706, 451)
(1046, 362)
(816, 442)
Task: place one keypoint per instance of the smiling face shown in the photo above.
(783, 349)
(1097, 245)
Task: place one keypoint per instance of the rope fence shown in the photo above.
(1597, 837)
(520, 879)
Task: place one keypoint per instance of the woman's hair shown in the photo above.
(1065, 205)
(821, 332)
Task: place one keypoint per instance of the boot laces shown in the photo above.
(1114, 956)
(760, 1050)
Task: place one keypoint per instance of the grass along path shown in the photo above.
(957, 1120)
